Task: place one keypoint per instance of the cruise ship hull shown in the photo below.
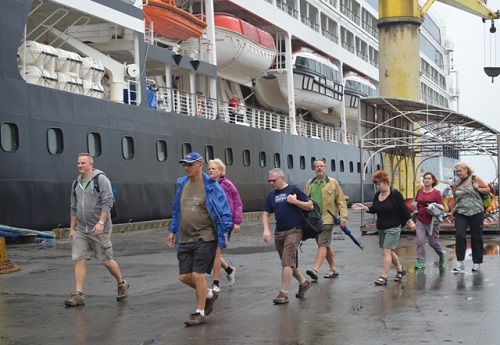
(35, 183)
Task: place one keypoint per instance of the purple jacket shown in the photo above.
(233, 198)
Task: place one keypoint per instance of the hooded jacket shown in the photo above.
(87, 204)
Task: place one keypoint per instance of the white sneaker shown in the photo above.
(476, 267)
(459, 267)
(230, 277)
(215, 288)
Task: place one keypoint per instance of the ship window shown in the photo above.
(128, 147)
(313, 159)
(246, 157)
(277, 160)
(55, 142)
(94, 144)
(9, 136)
(333, 166)
(341, 165)
(209, 153)
(302, 162)
(351, 166)
(186, 148)
(358, 167)
(378, 166)
(229, 156)
(262, 159)
(161, 150)
(289, 161)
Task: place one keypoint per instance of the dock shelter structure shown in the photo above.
(411, 132)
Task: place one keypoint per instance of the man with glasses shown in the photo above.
(202, 218)
(328, 194)
(286, 204)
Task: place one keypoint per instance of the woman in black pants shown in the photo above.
(468, 212)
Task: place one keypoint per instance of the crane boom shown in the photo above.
(475, 7)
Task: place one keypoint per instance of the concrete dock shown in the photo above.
(431, 306)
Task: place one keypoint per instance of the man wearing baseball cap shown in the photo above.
(201, 217)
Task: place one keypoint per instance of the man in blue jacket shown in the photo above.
(202, 218)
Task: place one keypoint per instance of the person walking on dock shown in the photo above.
(286, 203)
(392, 214)
(327, 192)
(468, 211)
(202, 217)
(428, 225)
(91, 227)
(217, 171)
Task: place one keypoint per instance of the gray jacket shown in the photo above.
(87, 204)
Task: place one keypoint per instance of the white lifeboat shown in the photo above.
(317, 85)
(244, 52)
(355, 87)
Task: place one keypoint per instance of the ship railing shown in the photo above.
(330, 35)
(282, 5)
(310, 23)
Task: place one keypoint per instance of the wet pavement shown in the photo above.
(431, 306)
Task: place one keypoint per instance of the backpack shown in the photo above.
(313, 220)
(95, 181)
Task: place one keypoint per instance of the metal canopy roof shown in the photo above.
(389, 125)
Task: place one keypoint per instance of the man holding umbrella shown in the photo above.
(328, 194)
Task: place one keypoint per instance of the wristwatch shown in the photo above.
(101, 222)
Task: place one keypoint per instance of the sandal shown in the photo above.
(400, 274)
(331, 274)
(312, 273)
(381, 281)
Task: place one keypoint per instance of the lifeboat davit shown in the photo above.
(171, 22)
(244, 52)
(316, 81)
(355, 87)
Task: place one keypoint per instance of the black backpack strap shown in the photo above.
(73, 187)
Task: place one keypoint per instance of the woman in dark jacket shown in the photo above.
(392, 213)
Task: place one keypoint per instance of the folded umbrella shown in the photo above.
(346, 231)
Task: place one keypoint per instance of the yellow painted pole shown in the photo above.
(6, 266)
(399, 49)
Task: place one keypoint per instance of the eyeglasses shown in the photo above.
(187, 164)
(273, 179)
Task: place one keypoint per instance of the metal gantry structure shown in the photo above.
(418, 131)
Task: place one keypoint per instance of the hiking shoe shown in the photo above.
(420, 264)
(195, 319)
(282, 298)
(215, 288)
(303, 289)
(442, 260)
(76, 299)
(122, 290)
(230, 276)
(209, 303)
(476, 267)
(459, 267)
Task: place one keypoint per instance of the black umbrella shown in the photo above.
(347, 231)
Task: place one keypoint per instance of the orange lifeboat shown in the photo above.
(171, 22)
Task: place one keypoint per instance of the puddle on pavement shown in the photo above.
(250, 250)
(489, 248)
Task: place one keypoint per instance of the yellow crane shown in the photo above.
(399, 42)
